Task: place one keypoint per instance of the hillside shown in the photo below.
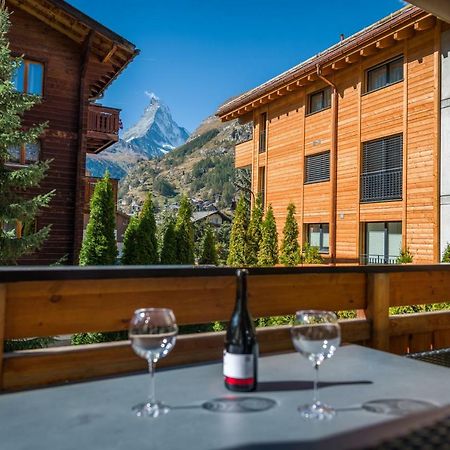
(203, 168)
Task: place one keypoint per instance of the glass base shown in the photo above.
(317, 411)
(150, 409)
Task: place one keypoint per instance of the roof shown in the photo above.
(253, 98)
(199, 215)
(112, 50)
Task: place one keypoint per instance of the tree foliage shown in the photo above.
(99, 245)
(254, 235)
(268, 252)
(15, 207)
(184, 231)
(208, 253)
(311, 255)
(446, 255)
(290, 249)
(237, 255)
(140, 246)
(169, 243)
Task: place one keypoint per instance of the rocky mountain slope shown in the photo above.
(203, 168)
(155, 134)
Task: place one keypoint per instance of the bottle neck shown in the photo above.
(241, 290)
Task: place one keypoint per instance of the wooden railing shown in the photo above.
(103, 120)
(61, 301)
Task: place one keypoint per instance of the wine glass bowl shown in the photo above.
(153, 333)
(316, 335)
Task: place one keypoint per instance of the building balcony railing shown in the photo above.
(89, 188)
(378, 259)
(62, 301)
(102, 128)
(381, 186)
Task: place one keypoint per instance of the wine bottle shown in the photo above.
(240, 356)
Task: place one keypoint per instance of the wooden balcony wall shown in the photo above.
(103, 127)
(90, 183)
(243, 154)
(60, 301)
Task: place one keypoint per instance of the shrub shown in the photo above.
(208, 253)
(311, 255)
(405, 257)
(254, 236)
(268, 252)
(238, 250)
(184, 232)
(290, 249)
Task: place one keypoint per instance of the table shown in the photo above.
(97, 414)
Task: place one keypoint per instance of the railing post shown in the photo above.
(2, 329)
(377, 310)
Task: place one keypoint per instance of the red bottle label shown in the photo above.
(238, 369)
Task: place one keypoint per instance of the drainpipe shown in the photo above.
(333, 164)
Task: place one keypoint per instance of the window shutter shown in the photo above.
(318, 168)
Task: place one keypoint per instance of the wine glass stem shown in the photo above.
(316, 382)
(151, 371)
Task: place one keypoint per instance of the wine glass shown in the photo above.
(153, 332)
(316, 335)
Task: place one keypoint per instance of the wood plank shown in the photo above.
(419, 323)
(33, 368)
(2, 329)
(441, 339)
(399, 345)
(377, 310)
(421, 342)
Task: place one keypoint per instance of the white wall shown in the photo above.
(445, 140)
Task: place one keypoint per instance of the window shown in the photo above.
(262, 184)
(29, 78)
(319, 236)
(317, 168)
(262, 133)
(319, 100)
(385, 74)
(383, 242)
(20, 229)
(25, 154)
(382, 169)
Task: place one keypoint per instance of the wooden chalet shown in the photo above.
(358, 137)
(69, 59)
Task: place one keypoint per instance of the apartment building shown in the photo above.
(69, 60)
(358, 137)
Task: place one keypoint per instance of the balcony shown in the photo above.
(103, 127)
(61, 301)
(90, 183)
(243, 154)
(381, 186)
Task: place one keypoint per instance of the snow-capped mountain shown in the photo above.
(155, 134)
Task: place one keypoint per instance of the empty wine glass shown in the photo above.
(316, 335)
(153, 332)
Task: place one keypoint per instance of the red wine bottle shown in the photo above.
(240, 356)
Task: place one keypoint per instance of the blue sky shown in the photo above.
(196, 54)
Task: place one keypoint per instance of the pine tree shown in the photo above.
(290, 249)
(99, 245)
(184, 232)
(446, 255)
(169, 243)
(254, 235)
(268, 253)
(208, 253)
(238, 253)
(15, 208)
(131, 242)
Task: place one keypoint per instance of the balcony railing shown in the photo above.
(103, 127)
(62, 301)
(378, 259)
(381, 186)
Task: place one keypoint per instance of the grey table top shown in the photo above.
(97, 414)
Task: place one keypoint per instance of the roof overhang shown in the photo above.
(107, 47)
(387, 32)
(439, 8)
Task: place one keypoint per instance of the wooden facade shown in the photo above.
(408, 107)
(80, 59)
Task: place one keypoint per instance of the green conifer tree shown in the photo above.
(131, 242)
(169, 243)
(140, 246)
(446, 255)
(254, 235)
(208, 253)
(184, 231)
(268, 253)
(15, 208)
(290, 249)
(238, 253)
(99, 245)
